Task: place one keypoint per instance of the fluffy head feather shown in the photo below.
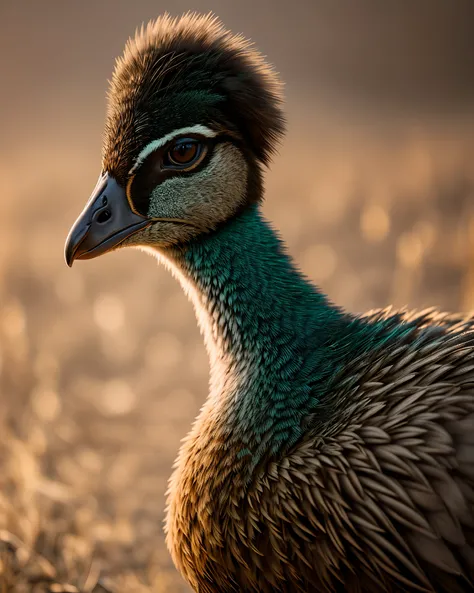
(184, 71)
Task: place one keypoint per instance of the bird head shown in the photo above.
(194, 113)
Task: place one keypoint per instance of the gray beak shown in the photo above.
(105, 222)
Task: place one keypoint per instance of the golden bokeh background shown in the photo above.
(102, 368)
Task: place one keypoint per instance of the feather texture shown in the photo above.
(363, 481)
(180, 71)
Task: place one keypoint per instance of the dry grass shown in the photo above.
(102, 367)
(67, 522)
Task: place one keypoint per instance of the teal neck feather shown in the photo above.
(276, 345)
(267, 330)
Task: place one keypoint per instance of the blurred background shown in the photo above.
(102, 366)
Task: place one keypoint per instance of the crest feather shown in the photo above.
(190, 55)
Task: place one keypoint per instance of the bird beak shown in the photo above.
(105, 222)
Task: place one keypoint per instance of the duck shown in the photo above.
(334, 451)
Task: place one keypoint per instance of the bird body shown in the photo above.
(334, 452)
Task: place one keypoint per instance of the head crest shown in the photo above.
(184, 71)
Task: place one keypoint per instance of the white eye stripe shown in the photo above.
(149, 148)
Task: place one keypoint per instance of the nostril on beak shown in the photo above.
(104, 216)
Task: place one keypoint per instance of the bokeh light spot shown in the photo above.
(14, 320)
(409, 250)
(117, 398)
(46, 404)
(109, 313)
(374, 223)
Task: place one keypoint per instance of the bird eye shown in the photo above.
(184, 152)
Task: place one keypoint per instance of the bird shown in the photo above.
(334, 451)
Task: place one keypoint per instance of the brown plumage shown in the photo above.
(378, 496)
(334, 452)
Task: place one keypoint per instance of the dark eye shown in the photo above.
(183, 152)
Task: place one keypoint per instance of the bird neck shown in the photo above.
(265, 326)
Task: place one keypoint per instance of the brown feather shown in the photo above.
(381, 501)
